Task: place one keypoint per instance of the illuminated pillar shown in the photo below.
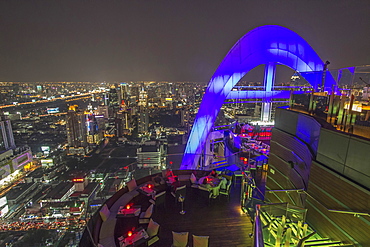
(268, 82)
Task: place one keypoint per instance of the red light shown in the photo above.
(129, 233)
(128, 206)
(171, 162)
(149, 186)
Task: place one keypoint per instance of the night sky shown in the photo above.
(163, 40)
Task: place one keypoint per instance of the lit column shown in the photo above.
(268, 82)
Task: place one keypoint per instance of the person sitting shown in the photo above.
(206, 185)
(175, 184)
(213, 173)
(169, 173)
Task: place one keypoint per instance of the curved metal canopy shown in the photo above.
(262, 45)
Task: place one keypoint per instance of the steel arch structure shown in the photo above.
(269, 45)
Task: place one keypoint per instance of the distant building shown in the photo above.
(12, 158)
(143, 98)
(143, 121)
(123, 92)
(103, 110)
(150, 155)
(6, 134)
(60, 193)
(21, 192)
(113, 101)
(76, 131)
(122, 123)
(80, 183)
(95, 132)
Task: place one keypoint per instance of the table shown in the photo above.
(147, 191)
(137, 238)
(128, 218)
(132, 211)
(214, 182)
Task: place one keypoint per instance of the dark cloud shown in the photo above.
(163, 40)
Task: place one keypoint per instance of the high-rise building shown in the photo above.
(143, 121)
(123, 93)
(122, 123)
(113, 97)
(6, 134)
(76, 131)
(94, 132)
(143, 98)
(103, 110)
(12, 158)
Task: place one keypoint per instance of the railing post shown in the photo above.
(257, 231)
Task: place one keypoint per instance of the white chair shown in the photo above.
(131, 185)
(159, 199)
(104, 212)
(152, 230)
(180, 239)
(205, 194)
(179, 191)
(193, 180)
(226, 191)
(200, 241)
(145, 216)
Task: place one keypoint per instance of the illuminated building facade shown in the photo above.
(76, 131)
(143, 98)
(123, 92)
(12, 158)
(6, 134)
(143, 121)
(94, 132)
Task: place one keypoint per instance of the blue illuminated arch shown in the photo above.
(268, 45)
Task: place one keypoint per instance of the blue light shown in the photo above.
(263, 45)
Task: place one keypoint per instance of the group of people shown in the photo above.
(213, 181)
(169, 178)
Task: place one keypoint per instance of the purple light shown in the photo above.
(25, 162)
(267, 45)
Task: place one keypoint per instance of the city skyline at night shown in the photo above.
(115, 113)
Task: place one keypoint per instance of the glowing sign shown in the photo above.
(78, 180)
(52, 110)
(47, 162)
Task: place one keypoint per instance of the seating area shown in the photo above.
(204, 219)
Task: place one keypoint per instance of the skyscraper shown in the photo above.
(123, 92)
(143, 121)
(6, 134)
(76, 131)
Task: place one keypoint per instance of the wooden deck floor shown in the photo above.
(222, 220)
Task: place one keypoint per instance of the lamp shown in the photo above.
(182, 199)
